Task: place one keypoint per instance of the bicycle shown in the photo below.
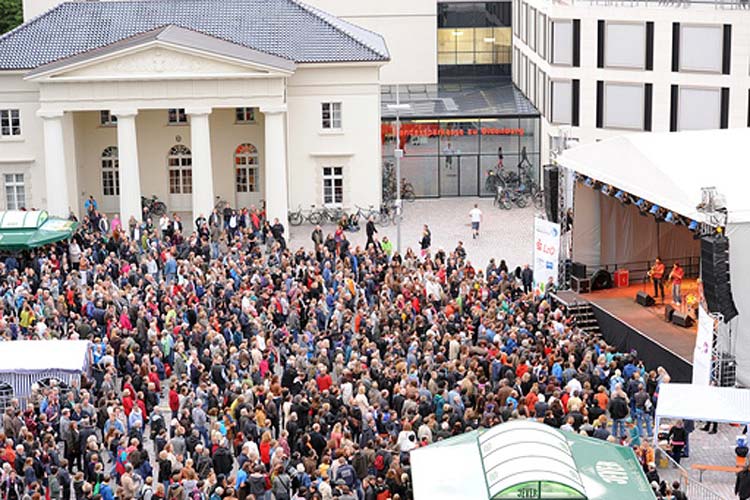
(153, 205)
(297, 217)
(221, 204)
(365, 213)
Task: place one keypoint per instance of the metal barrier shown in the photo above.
(694, 489)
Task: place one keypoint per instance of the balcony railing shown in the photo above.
(719, 4)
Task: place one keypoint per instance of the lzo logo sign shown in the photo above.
(612, 472)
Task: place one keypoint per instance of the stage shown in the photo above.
(627, 325)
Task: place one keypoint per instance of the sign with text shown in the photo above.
(546, 252)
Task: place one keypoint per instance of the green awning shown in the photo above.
(23, 230)
(527, 459)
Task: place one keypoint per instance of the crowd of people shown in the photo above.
(228, 365)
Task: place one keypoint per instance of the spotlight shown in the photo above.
(605, 189)
(589, 182)
(640, 203)
(623, 197)
(670, 218)
(693, 226)
(654, 210)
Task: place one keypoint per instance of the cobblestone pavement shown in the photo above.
(504, 234)
(710, 449)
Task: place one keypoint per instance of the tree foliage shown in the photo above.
(11, 14)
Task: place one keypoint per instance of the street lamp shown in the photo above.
(398, 153)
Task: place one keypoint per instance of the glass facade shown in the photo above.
(474, 38)
(453, 157)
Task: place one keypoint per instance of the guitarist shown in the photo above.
(656, 273)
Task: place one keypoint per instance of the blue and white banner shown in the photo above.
(546, 252)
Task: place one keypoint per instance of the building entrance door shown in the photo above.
(449, 167)
(467, 176)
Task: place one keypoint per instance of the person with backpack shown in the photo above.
(382, 461)
(147, 489)
(282, 484)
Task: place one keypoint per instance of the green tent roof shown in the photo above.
(23, 230)
(526, 459)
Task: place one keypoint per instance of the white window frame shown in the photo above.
(607, 63)
(244, 116)
(107, 119)
(553, 118)
(334, 120)
(180, 161)
(110, 166)
(553, 43)
(681, 105)
(332, 175)
(16, 198)
(177, 116)
(247, 163)
(641, 107)
(718, 59)
(541, 44)
(10, 123)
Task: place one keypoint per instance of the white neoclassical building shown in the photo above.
(189, 100)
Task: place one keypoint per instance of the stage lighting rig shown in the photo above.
(623, 197)
(654, 210)
(607, 189)
(670, 218)
(588, 182)
(693, 226)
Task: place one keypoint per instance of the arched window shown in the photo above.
(110, 172)
(180, 163)
(246, 164)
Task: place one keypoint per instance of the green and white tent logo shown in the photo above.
(612, 472)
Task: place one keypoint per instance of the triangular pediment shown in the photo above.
(167, 53)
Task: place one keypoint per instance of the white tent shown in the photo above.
(24, 363)
(703, 402)
(669, 170)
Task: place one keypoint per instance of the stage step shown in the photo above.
(585, 318)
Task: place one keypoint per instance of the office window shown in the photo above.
(533, 84)
(15, 192)
(333, 185)
(10, 122)
(331, 115)
(701, 48)
(110, 172)
(523, 73)
(107, 119)
(176, 116)
(625, 45)
(562, 42)
(699, 108)
(532, 28)
(562, 101)
(623, 106)
(541, 45)
(516, 17)
(244, 115)
(523, 21)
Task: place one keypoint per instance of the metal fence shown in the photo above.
(694, 489)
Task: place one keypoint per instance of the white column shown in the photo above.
(129, 171)
(203, 180)
(275, 168)
(54, 163)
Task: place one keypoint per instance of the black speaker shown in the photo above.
(580, 285)
(601, 280)
(644, 299)
(578, 270)
(551, 190)
(717, 288)
(668, 313)
(682, 319)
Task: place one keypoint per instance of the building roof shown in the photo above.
(285, 28)
(466, 98)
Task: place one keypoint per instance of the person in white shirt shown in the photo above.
(476, 218)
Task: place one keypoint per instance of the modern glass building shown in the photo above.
(474, 119)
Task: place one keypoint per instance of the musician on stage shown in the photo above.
(676, 276)
(656, 273)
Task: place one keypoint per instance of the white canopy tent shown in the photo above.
(669, 170)
(703, 402)
(24, 363)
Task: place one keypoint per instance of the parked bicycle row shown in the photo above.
(385, 215)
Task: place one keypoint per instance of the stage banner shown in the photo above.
(546, 252)
(702, 352)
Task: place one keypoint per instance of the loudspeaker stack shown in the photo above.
(551, 190)
(717, 288)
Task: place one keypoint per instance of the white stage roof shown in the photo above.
(26, 356)
(703, 402)
(669, 169)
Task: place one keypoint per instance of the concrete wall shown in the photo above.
(409, 28)
(661, 76)
(356, 147)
